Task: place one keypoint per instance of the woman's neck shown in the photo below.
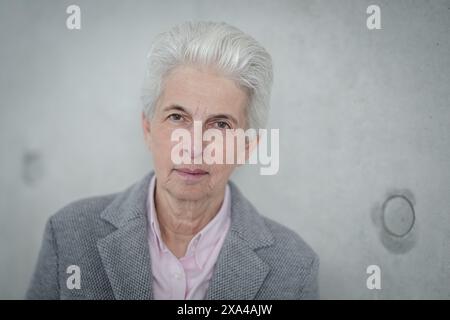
(180, 220)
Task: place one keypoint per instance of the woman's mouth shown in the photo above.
(191, 174)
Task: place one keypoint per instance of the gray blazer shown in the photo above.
(106, 236)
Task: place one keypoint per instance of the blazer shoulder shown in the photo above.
(294, 264)
(82, 210)
(290, 245)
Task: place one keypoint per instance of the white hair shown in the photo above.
(233, 53)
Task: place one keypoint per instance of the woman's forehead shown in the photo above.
(202, 92)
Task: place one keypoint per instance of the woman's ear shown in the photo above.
(250, 145)
(145, 121)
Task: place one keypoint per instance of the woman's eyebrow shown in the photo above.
(175, 107)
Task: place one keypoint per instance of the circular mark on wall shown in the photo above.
(395, 219)
(398, 216)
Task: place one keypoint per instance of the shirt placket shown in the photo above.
(178, 279)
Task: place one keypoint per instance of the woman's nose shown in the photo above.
(196, 143)
(196, 149)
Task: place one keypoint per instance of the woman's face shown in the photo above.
(213, 102)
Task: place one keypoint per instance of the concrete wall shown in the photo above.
(363, 115)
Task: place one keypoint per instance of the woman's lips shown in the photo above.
(191, 174)
(192, 171)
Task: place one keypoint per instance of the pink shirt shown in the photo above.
(187, 277)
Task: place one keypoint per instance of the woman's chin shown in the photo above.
(189, 190)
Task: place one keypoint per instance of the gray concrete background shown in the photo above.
(362, 115)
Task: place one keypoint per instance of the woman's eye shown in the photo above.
(223, 125)
(175, 117)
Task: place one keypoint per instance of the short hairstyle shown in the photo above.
(233, 53)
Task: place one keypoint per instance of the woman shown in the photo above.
(184, 231)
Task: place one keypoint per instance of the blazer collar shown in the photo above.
(238, 274)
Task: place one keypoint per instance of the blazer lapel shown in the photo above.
(239, 272)
(125, 252)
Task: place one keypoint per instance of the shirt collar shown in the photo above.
(205, 240)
